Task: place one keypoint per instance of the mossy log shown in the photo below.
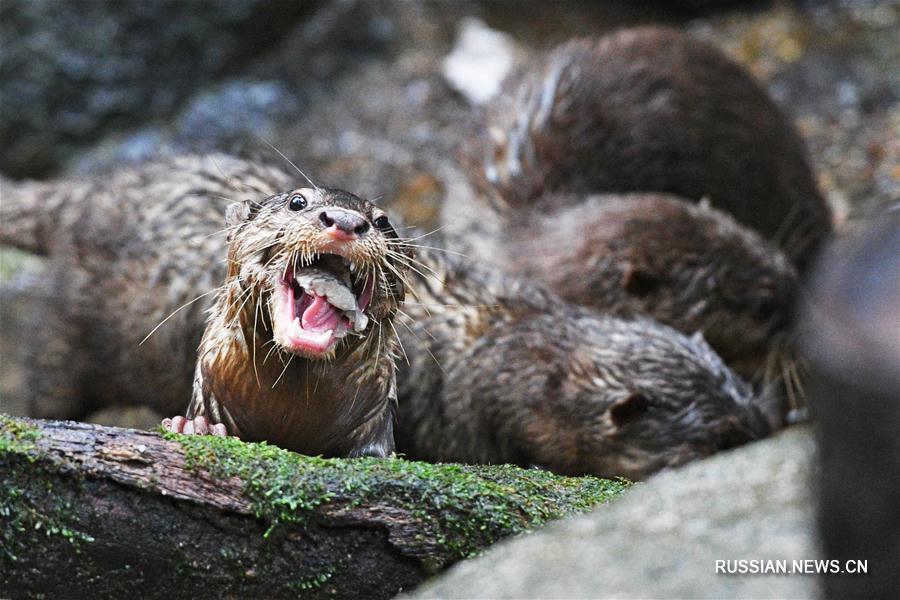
(92, 511)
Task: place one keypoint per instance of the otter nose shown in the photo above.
(343, 224)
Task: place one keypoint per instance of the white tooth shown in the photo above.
(353, 267)
(329, 332)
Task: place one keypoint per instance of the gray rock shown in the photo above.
(227, 116)
(663, 538)
(71, 71)
(237, 109)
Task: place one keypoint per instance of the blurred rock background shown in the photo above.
(353, 90)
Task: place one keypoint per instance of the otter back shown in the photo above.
(501, 370)
(124, 252)
(649, 109)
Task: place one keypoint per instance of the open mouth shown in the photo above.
(320, 302)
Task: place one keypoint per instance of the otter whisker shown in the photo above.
(431, 248)
(274, 349)
(253, 358)
(290, 162)
(402, 277)
(399, 342)
(229, 179)
(402, 314)
(439, 305)
(786, 225)
(798, 399)
(424, 235)
(237, 313)
(174, 312)
(225, 230)
(427, 349)
(284, 370)
(412, 289)
(408, 261)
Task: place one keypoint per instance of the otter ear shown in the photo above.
(237, 212)
(628, 408)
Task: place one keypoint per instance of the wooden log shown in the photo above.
(92, 511)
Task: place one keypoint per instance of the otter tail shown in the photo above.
(29, 214)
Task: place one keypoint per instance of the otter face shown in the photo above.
(655, 422)
(741, 302)
(327, 266)
(612, 397)
(647, 433)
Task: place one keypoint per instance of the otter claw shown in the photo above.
(197, 426)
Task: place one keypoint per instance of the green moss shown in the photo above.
(17, 436)
(30, 505)
(463, 507)
(316, 579)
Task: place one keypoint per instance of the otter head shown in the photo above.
(743, 296)
(319, 269)
(689, 266)
(739, 293)
(611, 397)
(663, 423)
(647, 432)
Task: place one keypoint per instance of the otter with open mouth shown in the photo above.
(299, 348)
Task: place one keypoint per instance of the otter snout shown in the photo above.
(343, 224)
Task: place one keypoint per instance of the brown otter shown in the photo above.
(648, 109)
(316, 276)
(501, 370)
(299, 347)
(134, 249)
(690, 266)
(124, 251)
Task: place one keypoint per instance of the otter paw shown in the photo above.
(197, 425)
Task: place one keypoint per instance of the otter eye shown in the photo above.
(382, 222)
(298, 202)
(765, 307)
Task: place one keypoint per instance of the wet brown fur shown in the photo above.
(689, 266)
(511, 373)
(341, 405)
(648, 109)
(137, 258)
(502, 370)
(124, 252)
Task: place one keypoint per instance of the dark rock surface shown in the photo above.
(352, 91)
(71, 71)
(852, 342)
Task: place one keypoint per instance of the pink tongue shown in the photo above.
(320, 316)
